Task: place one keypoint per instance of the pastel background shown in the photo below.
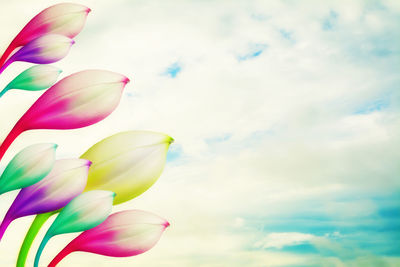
(285, 116)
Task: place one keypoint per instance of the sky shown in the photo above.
(285, 116)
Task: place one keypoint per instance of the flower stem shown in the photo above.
(3, 92)
(15, 132)
(30, 237)
(40, 250)
(63, 253)
(5, 65)
(6, 54)
(4, 224)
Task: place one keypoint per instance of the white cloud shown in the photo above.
(279, 240)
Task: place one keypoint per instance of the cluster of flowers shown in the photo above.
(81, 191)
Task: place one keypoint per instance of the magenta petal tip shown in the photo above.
(126, 80)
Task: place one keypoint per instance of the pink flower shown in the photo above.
(76, 101)
(122, 234)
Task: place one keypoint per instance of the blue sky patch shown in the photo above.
(254, 51)
(174, 153)
(173, 70)
(304, 248)
(330, 22)
(288, 35)
(379, 104)
(218, 139)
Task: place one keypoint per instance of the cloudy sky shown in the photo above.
(285, 116)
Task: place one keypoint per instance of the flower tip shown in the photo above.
(72, 41)
(126, 80)
(166, 224)
(171, 140)
(88, 10)
(88, 163)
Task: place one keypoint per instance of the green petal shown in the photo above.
(83, 212)
(35, 78)
(28, 167)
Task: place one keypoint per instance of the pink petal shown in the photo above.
(123, 234)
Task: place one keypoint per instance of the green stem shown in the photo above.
(3, 92)
(40, 250)
(30, 237)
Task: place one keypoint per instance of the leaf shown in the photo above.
(82, 213)
(65, 181)
(127, 163)
(38, 77)
(28, 167)
(122, 234)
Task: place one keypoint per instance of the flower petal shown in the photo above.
(43, 50)
(28, 167)
(123, 234)
(38, 77)
(127, 163)
(82, 213)
(76, 101)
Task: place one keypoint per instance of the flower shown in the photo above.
(127, 163)
(38, 77)
(42, 50)
(82, 213)
(122, 234)
(28, 167)
(76, 101)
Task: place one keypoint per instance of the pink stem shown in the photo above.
(4, 225)
(15, 132)
(61, 255)
(5, 65)
(6, 54)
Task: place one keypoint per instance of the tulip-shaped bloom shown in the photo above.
(36, 78)
(127, 163)
(65, 181)
(82, 213)
(123, 234)
(42, 50)
(76, 101)
(28, 167)
(65, 19)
